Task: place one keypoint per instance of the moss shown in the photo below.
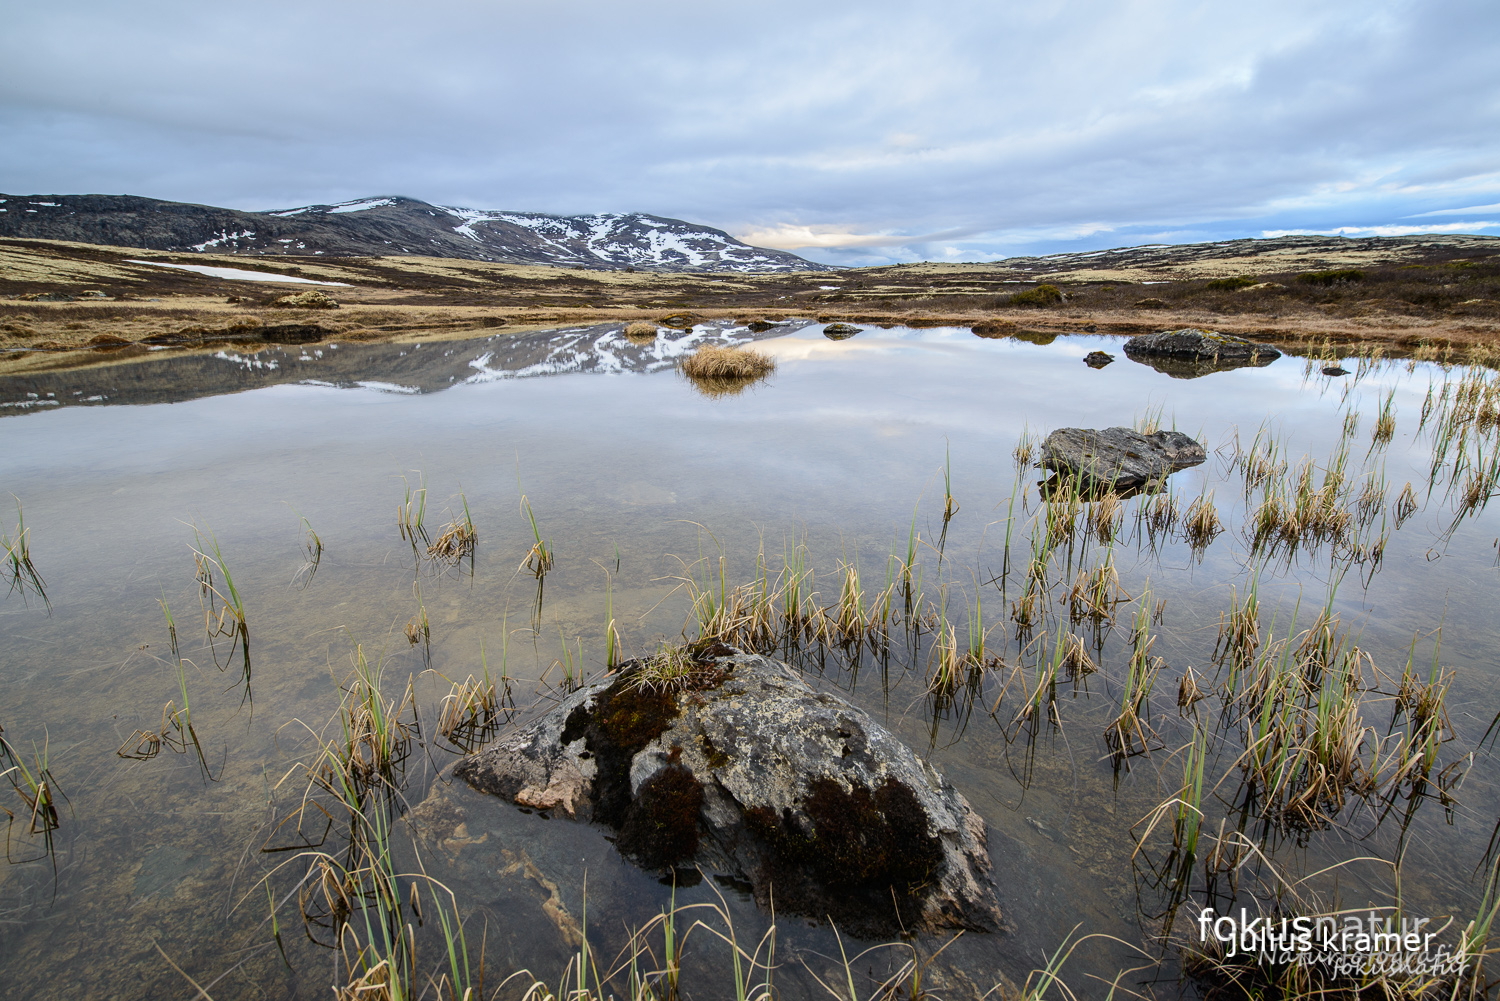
(1232, 284)
(1036, 337)
(626, 717)
(661, 827)
(1042, 295)
(993, 328)
(865, 849)
(716, 758)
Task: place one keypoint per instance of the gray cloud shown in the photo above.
(869, 132)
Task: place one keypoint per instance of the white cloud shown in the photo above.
(1391, 230)
(881, 126)
(1464, 211)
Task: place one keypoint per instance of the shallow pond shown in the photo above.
(649, 489)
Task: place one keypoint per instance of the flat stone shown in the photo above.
(840, 331)
(1190, 352)
(1119, 459)
(743, 768)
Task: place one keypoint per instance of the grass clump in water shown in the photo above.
(38, 791)
(457, 540)
(223, 608)
(640, 332)
(19, 569)
(719, 369)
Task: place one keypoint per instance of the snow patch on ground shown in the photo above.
(238, 274)
(224, 237)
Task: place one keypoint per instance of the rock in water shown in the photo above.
(1118, 459)
(840, 331)
(738, 765)
(1191, 352)
(1098, 359)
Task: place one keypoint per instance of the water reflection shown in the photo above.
(836, 463)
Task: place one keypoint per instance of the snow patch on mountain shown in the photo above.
(361, 204)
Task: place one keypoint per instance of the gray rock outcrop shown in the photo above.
(739, 766)
(840, 331)
(1190, 352)
(1118, 459)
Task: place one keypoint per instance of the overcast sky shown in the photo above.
(853, 133)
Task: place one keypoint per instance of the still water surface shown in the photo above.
(639, 480)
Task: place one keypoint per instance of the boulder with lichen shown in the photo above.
(733, 763)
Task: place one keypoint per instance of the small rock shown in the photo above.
(840, 331)
(1150, 303)
(759, 326)
(1335, 370)
(1118, 459)
(679, 321)
(311, 299)
(1098, 359)
(738, 765)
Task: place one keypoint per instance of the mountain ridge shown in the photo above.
(393, 225)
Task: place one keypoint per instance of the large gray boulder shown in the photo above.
(1121, 460)
(739, 766)
(1190, 352)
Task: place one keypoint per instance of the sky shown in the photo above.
(856, 133)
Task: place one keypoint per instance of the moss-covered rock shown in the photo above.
(736, 765)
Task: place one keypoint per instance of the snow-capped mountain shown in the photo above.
(389, 226)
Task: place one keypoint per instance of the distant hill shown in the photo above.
(392, 226)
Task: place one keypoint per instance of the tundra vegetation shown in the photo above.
(64, 304)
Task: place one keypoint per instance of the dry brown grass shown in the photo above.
(716, 362)
(640, 332)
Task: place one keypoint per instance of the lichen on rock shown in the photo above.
(1121, 460)
(738, 766)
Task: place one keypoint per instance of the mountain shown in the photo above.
(386, 226)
